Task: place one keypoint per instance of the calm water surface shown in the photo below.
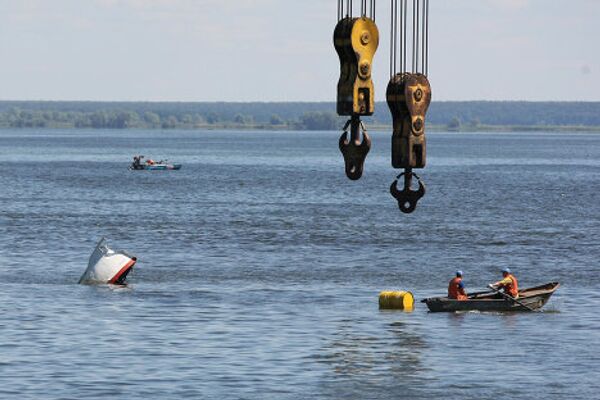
(260, 265)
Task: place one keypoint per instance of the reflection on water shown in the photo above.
(393, 353)
(363, 356)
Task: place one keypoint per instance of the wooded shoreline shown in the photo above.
(442, 116)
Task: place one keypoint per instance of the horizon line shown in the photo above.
(281, 101)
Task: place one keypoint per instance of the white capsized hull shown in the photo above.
(107, 266)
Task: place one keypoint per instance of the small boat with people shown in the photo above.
(531, 299)
(151, 165)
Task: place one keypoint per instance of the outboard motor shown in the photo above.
(107, 266)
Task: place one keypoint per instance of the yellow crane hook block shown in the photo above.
(356, 40)
(396, 300)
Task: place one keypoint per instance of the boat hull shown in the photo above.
(156, 167)
(107, 266)
(531, 299)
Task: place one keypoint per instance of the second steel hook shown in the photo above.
(407, 198)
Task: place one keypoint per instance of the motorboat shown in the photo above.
(139, 164)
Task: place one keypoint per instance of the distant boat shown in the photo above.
(530, 299)
(107, 266)
(157, 167)
(151, 165)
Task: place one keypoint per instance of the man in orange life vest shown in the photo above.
(456, 287)
(508, 283)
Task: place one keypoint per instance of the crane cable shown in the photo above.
(408, 96)
(345, 9)
(419, 51)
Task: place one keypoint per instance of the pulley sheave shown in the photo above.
(356, 41)
(408, 97)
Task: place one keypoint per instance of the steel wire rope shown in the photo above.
(418, 42)
(396, 61)
(423, 34)
(413, 36)
(401, 30)
(405, 34)
(391, 34)
(423, 38)
(427, 40)
(373, 14)
(393, 21)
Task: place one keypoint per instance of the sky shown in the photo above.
(282, 50)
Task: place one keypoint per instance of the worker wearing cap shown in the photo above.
(456, 287)
(508, 283)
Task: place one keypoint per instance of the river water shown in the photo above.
(260, 266)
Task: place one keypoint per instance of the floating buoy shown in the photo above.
(396, 300)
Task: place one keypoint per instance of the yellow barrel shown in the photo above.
(396, 300)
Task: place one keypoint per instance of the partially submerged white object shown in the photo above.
(107, 266)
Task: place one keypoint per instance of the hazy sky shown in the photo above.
(281, 50)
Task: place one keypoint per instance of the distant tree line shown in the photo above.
(127, 119)
(301, 116)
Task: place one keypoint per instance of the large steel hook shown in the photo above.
(407, 198)
(353, 148)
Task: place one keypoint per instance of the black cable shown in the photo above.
(413, 37)
(405, 2)
(419, 37)
(395, 37)
(374, 8)
(398, 17)
(402, 40)
(399, 43)
(373, 14)
(391, 35)
(427, 41)
(394, 18)
(422, 36)
(423, 40)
